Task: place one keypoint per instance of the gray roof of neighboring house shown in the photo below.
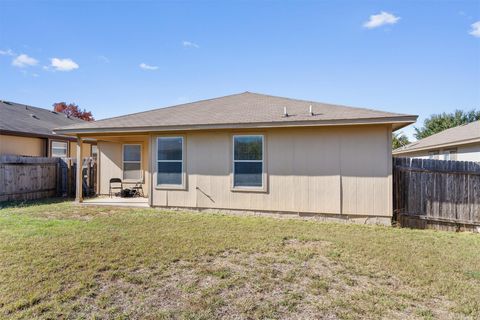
(18, 118)
(454, 136)
(244, 110)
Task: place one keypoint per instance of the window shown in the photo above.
(59, 149)
(450, 154)
(248, 161)
(132, 162)
(170, 161)
(433, 155)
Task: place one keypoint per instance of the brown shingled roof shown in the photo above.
(16, 118)
(458, 135)
(239, 110)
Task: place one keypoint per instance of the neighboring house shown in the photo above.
(253, 152)
(459, 143)
(28, 131)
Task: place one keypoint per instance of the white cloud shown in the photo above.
(7, 52)
(189, 44)
(145, 66)
(381, 19)
(63, 64)
(23, 61)
(475, 29)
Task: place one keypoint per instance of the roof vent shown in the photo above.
(33, 116)
(285, 113)
(311, 110)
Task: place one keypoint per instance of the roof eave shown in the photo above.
(396, 122)
(436, 146)
(36, 135)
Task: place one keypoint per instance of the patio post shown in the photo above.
(79, 179)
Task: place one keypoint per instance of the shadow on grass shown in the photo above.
(31, 203)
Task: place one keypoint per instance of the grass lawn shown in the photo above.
(58, 260)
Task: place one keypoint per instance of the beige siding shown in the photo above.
(110, 162)
(86, 149)
(24, 146)
(466, 152)
(469, 152)
(330, 170)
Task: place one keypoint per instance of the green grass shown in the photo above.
(58, 260)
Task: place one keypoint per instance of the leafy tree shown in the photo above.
(439, 122)
(72, 110)
(399, 140)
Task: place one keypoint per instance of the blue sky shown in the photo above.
(113, 58)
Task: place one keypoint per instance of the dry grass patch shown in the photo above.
(63, 261)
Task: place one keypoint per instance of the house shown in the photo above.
(459, 143)
(252, 152)
(28, 131)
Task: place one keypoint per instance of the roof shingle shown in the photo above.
(20, 118)
(243, 108)
(460, 135)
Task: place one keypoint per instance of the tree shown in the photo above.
(72, 110)
(399, 140)
(439, 122)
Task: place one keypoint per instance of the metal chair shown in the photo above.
(138, 188)
(114, 185)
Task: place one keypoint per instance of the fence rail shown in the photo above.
(27, 178)
(437, 192)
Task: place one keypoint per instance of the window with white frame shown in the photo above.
(248, 163)
(450, 154)
(59, 149)
(170, 161)
(433, 155)
(132, 162)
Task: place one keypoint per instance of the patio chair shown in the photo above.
(114, 185)
(138, 188)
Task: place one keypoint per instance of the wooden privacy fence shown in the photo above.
(26, 178)
(437, 193)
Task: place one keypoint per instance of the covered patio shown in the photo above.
(122, 158)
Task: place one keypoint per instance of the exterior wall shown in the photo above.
(110, 163)
(326, 170)
(466, 152)
(23, 146)
(470, 152)
(86, 149)
(37, 147)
